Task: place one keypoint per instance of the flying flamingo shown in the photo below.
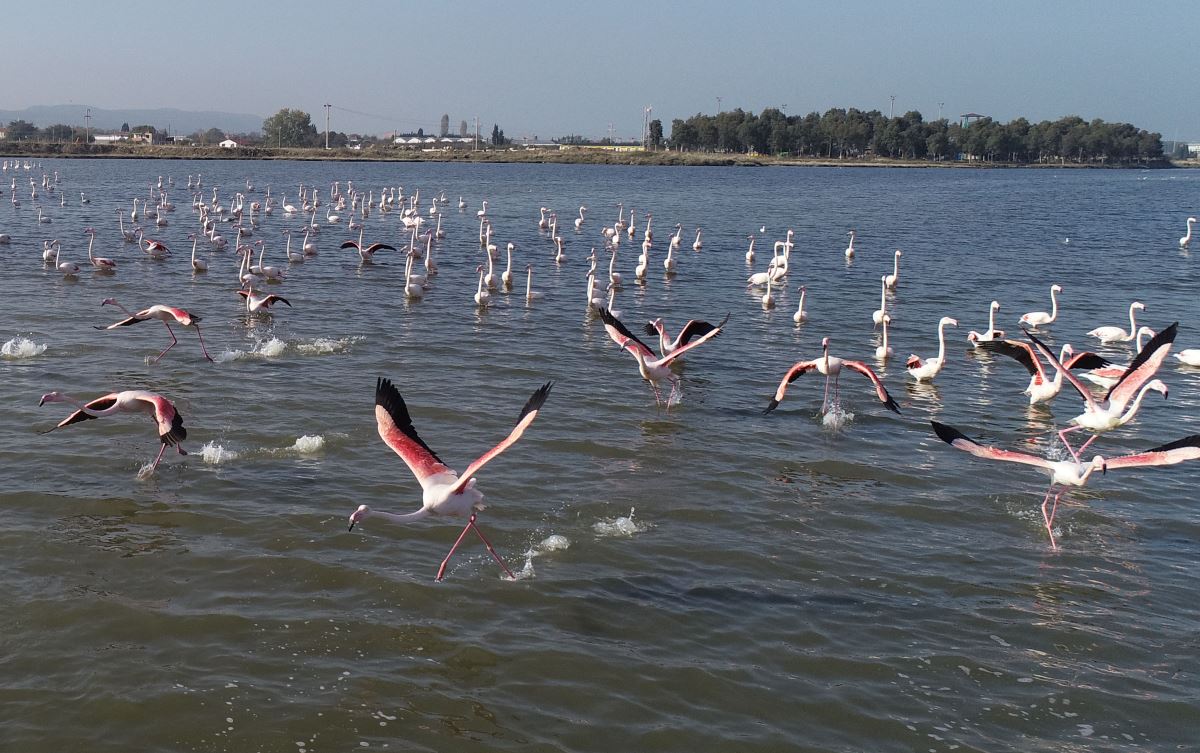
(101, 263)
(366, 253)
(169, 421)
(1116, 334)
(444, 492)
(1038, 318)
(653, 370)
(1186, 240)
(1066, 473)
(929, 368)
(992, 333)
(1122, 401)
(1041, 388)
(831, 367)
(693, 329)
(164, 314)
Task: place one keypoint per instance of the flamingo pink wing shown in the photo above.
(528, 413)
(1071, 378)
(99, 404)
(170, 422)
(958, 440)
(621, 335)
(794, 373)
(1021, 352)
(695, 342)
(397, 431)
(880, 390)
(1171, 453)
(1143, 366)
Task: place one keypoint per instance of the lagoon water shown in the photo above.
(705, 579)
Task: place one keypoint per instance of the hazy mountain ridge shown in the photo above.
(179, 121)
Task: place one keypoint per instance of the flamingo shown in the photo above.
(482, 297)
(652, 370)
(992, 333)
(693, 329)
(1066, 473)
(68, 268)
(164, 314)
(198, 265)
(506, 277)
(413, 288)
(884, 351)
(1122, 401)
(831, 367)
(43, 218)
(579, 219)
(543, 223)
(101, 263)
(366, 253)
(272, 274)
(168, 420)
(559, 256)
(462, 203)
(1116, 334)
(878, 314)
(648, 235)
(1038, 318)
(750, 251)
(676, 238)
(614, 277)
(891, 280)
(801, 315)
(850, 248)
(643, 265)
(256, 302)
(481, 212)
(309, 247)
(929, 368)
(697, 245)
(128, 235)
(669, 262)
(444, 492)
(293, 257)
(531, 294)
(1186, 240)
(1041, 388)
(154, 248)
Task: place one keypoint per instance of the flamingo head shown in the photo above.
(1056, 288)
(995, 305)
(887, 319)
(52, 397)
(528, 267)
(1138, 305)
(109, 301)
(360, 514)
(89, 231)
(899, 253)
(825, 344)
(1158, 386)
(947, 320)
(1099, 463)
(511, 245)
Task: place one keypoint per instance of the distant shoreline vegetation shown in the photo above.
(841, 133)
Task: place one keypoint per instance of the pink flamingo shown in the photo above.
(444, 491)
(831, 367)
(156, 249)
(1123, 399)
(366, 253)
(164, 314)
(101, 263)
(256, 302)
(694, 328)
(652, 370)
(168, 420)
(1041, 388)
(1071, 473)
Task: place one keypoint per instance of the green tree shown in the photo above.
(21, 130)
(498, 136)
(290, 128)
(124, 128)
(144, 129)
(656, 133)
(58, 132)
(211, 136)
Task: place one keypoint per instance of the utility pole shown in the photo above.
(892, 107)
(718, 105)
(610, 133)
(327, 108)
(87, 118)
(477, 133)
(940, 105)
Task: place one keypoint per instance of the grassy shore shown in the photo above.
(514, 154)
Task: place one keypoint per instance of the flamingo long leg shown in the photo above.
(1050, 519)
(488, 544)
(203, 349)
(161, 450)
(1088, 442)
(174, 340)
(442, 568)
(1062, 435)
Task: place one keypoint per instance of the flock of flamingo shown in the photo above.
(226, 225)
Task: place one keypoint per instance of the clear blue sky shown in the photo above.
(553, 68)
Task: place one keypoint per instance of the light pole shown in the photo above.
(718, 105)
(940, 105)
(327, 107)
(87, 119)
(892, 107)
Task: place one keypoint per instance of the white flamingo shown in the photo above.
(894, 278)
(1116, 334)
(924, 370)
(1040, 318)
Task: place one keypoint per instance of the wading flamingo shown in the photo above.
(992, 333)
(366, 253)
(168, 420)
(894, 278)
(850, 248)
(256, 302)
(929, 368)
(164, 314)
(1186, 240)
(831, 367)
(1116, 334)
(444, 492)
(884, 351)
(101, 263)
(1038, 318)
(653, 370)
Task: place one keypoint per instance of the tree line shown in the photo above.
(840, 133)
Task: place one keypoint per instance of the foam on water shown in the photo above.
(622, 526)
(272, 348)
(214, 454)
(326, 345)
(21, 347)
(308, 444)
(837, 417)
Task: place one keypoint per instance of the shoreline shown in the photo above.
(529, 155)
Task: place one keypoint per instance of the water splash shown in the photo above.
(308, 444)
(622, 526)
(327, 345)
(272, 348)
(214, 454)
(836, 417)
(21, 347)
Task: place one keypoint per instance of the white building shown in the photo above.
(229, 144)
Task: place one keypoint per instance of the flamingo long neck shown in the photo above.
(941, 342)
(528, 282)
(194, 241)
(404, 518)
(479, 290)
(801, 310)
(1137, 403)
(1053, 304)
(896, 266)
(991, 320)
(883, 294)
(509, 267)
(91, 240)
(885, 329)
(262, 249)
(1132, 323)
(663, 339)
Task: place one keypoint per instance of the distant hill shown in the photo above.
(180, 122)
